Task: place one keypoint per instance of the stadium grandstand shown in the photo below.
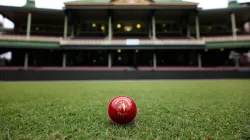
(126, 35)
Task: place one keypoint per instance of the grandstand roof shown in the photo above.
(19, 14)
(151, 3)
(128, 1)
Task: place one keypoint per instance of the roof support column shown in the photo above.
(199, 61)
(154, 60)
(110, 33)
(28, 26)
(197, 27)
(26, 60)
(64, 60)
(109, 60)
(233, 22)
(153, 28)
(65, 27)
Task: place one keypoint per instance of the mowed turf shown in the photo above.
(212, 109)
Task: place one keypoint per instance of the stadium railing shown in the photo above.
(32, 38)
(226, 38)
(123, 41)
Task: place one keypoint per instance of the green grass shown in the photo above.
(167, 110)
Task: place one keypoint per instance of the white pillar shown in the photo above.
(65, 26)
(109, 60)
(26, 60)
(154, 60)
(110, 34)
(64, 60)
(28, 26)
(197, 27)
(153, 28)
(233, 22)
(199, 61)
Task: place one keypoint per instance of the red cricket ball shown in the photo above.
(122, 110)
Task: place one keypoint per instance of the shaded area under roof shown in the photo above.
(223, 15)
(19, 14)
(226, 10)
